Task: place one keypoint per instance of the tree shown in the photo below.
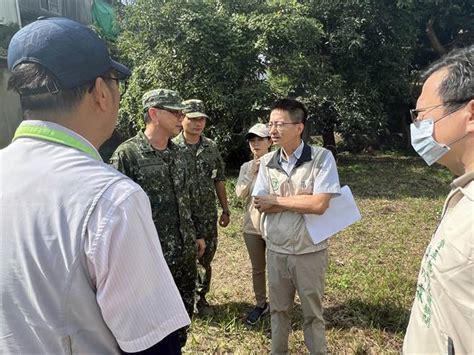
(340, 59)
(352, 62)
(291, 45)
(442, 26)
(200, 50)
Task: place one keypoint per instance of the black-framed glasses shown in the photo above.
(121, 83)
(178, 114)
(279, 125)
(415, 112)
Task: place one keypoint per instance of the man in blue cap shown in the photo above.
(82, 266)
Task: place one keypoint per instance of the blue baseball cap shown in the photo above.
(70, 51)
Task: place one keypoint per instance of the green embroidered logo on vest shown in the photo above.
(423, 289)
(275, 184)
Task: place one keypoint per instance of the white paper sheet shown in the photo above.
(342, 212)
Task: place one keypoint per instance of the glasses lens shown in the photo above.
(274, 124)
(176, 114)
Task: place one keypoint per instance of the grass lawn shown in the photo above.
(373, 265)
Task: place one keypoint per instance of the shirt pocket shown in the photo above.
(448, 343)
(205, 169)
(150, 170)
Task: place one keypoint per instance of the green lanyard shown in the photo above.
(54, 135)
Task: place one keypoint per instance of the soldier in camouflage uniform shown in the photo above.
(209, 169)
(156, 163)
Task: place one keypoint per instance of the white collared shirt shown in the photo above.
(134, 290)
(289, 164)
(124, 253)
(326, 181)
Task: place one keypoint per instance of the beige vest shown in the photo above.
(285, 232)
(442, 316)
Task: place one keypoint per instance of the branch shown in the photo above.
(435, 43)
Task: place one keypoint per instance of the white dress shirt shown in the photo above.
(50, 177)
(135, 290)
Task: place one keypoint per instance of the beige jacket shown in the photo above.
(243, 189)
(285, 232)
(442, 317)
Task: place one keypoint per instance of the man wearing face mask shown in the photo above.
(441, 319)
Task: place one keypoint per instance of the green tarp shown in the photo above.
(104, 18)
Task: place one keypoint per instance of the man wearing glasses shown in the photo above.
(79, 251)
(442, 131)
(153, 161)
(296, 179)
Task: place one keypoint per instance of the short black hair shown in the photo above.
(296, 109)
(30, 77)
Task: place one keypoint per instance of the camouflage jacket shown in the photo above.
(208, 167)
(165, 177)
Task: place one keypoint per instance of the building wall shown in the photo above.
(8, 12)
(83, 11)
(78, 10)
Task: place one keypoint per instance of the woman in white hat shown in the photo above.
(259, 141)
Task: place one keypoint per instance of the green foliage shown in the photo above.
(369, 49)
(352, 62)
(198, 49)
(342, 67)
(453, 23)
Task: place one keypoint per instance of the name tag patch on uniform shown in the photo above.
(214, 174)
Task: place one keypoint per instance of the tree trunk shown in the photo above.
(435, 43)
(405, 125)
(329, 142)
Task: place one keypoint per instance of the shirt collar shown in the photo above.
(305, 156)
(296, 154)
(53, 132)
(145, 145)
(463, 180)
(180, 138)
(182, 141)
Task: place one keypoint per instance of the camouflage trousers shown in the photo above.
(184, 271)
(204, 275)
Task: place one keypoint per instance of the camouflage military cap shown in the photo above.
(165, 98)
(194, 108)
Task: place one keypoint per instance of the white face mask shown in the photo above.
(423, 142)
